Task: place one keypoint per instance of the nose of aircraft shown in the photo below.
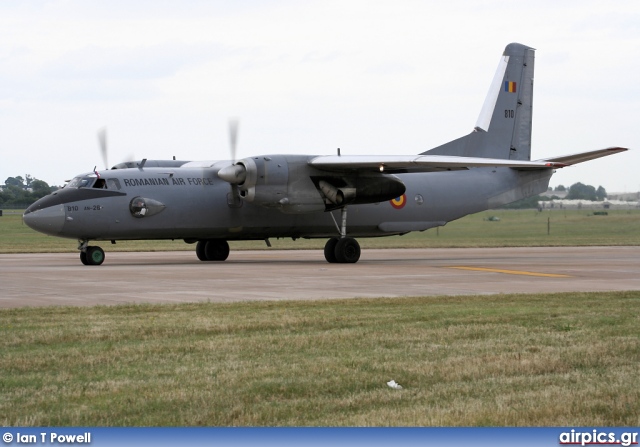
(47, 220)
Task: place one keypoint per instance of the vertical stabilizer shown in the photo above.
(503, 129)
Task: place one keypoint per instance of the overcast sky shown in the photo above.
(307, 77)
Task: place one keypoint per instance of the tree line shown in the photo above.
(20, 192)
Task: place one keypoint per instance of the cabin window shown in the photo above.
(113, 183)
(100, 184)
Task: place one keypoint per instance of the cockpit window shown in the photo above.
(81, 182)
(90, 181)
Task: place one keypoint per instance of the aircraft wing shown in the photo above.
(395, 164)
(569, 160)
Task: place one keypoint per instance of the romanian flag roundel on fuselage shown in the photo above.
(399, 202)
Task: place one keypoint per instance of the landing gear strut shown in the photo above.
(212, 250)
(90, 255)
(342, 250)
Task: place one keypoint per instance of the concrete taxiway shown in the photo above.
(178, 277)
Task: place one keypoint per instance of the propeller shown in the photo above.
(234, 174)
(233, 137)
(102, 140)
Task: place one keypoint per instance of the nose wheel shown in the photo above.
(91, 255)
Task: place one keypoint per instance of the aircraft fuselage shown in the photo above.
(194, 204)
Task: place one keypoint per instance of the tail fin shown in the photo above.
(504, 125)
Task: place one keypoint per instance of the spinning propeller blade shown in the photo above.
(233, 137)
(102, 140)
(234, 174)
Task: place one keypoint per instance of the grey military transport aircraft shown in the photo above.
(307, 196)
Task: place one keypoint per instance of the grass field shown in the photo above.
(515, 228)
(504, 360)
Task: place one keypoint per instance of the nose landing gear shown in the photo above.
(90, 255)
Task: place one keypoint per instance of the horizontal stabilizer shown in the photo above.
(569, 160)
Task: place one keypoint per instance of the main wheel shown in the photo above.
(216, 250)
(83, 258)
(330, 250)
(200, 250)
(347, 250)
(95, 256)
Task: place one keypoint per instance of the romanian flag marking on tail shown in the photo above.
(510, 86)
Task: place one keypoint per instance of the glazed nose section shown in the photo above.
(49, 220)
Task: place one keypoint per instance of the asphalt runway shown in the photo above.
(178, 277)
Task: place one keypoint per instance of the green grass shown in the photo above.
(515, 228)
(516, 360)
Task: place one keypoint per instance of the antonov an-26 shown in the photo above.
(307, 196)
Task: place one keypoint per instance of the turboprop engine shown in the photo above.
(289, 183)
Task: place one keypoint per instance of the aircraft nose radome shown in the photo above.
(49, 220)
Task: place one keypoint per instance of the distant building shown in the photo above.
(633, 196)
(588, 204)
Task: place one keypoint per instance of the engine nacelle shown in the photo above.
(282, 182)
(359, 189)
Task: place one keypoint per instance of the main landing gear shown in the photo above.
(342, 250)
(90, 255)
(212, 250)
